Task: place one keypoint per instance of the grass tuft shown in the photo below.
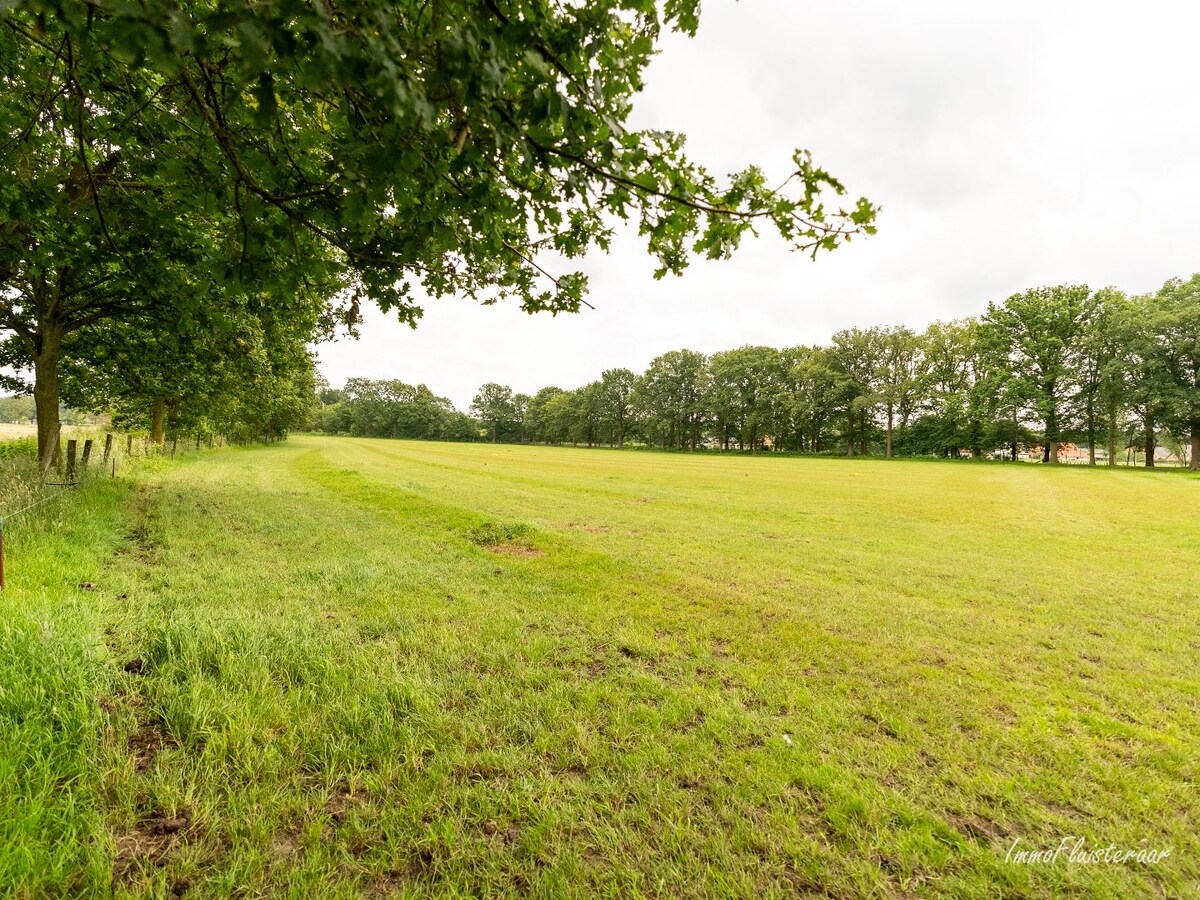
(495, 534)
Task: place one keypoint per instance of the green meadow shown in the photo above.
(337, 667)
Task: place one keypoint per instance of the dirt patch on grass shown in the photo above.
(806, 885)
(342, 800)
(150, 844)
(595, 668)
(284, 845)
(583, 526)
(508, 835)
(391, 883)
(516, 550)
(976, 828)
(146, 743)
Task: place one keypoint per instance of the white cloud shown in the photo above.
(1011, 144)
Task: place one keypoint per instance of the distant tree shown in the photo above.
(1040, 333)
(494, 406)
(856, 354)
(1178, 320)
(899, 378)
(188, 368)
(520, 406)
(672, 398)
(744, 390)
(817, 392)
(950, 348)
(1048, 364)
(393, 409)
(617, 400)
(1150, 389)
(538, 417)
(562, 417)
(591, 414)
(1102, 377)
(16, 409)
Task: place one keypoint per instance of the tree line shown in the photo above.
(194, 192)
(1051, 365)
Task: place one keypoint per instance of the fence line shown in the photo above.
(108, 465)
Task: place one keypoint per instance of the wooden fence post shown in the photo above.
(72, 447)
(107, 446)
(174, 446)
(129, 445)
(197, 440)
(87, 453)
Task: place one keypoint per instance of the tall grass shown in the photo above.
(19, 483)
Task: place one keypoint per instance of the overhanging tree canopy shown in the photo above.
(443, 142)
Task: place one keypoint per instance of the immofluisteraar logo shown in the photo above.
(1072, 849)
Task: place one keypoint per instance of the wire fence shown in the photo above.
(36, 503)
(85, 455)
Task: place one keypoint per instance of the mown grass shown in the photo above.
(341, 667)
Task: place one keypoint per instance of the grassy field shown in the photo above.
(337, 667)
(10, 431)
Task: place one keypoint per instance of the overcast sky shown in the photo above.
(1011, 145)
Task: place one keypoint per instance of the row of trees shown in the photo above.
(194, 191)
(1046, 366)
(394, 409)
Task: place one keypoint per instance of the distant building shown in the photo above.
(1071, 452)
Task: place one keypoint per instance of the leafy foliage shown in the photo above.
(448, 142)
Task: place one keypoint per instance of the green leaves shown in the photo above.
(172, 156)
(482, 132)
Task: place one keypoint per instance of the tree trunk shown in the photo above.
(157, 416)
(1112, 436)
(1149, 443)
(1091, 425)
(46, 358)
(1051, 451)
(1194, 462)
(889, 432)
